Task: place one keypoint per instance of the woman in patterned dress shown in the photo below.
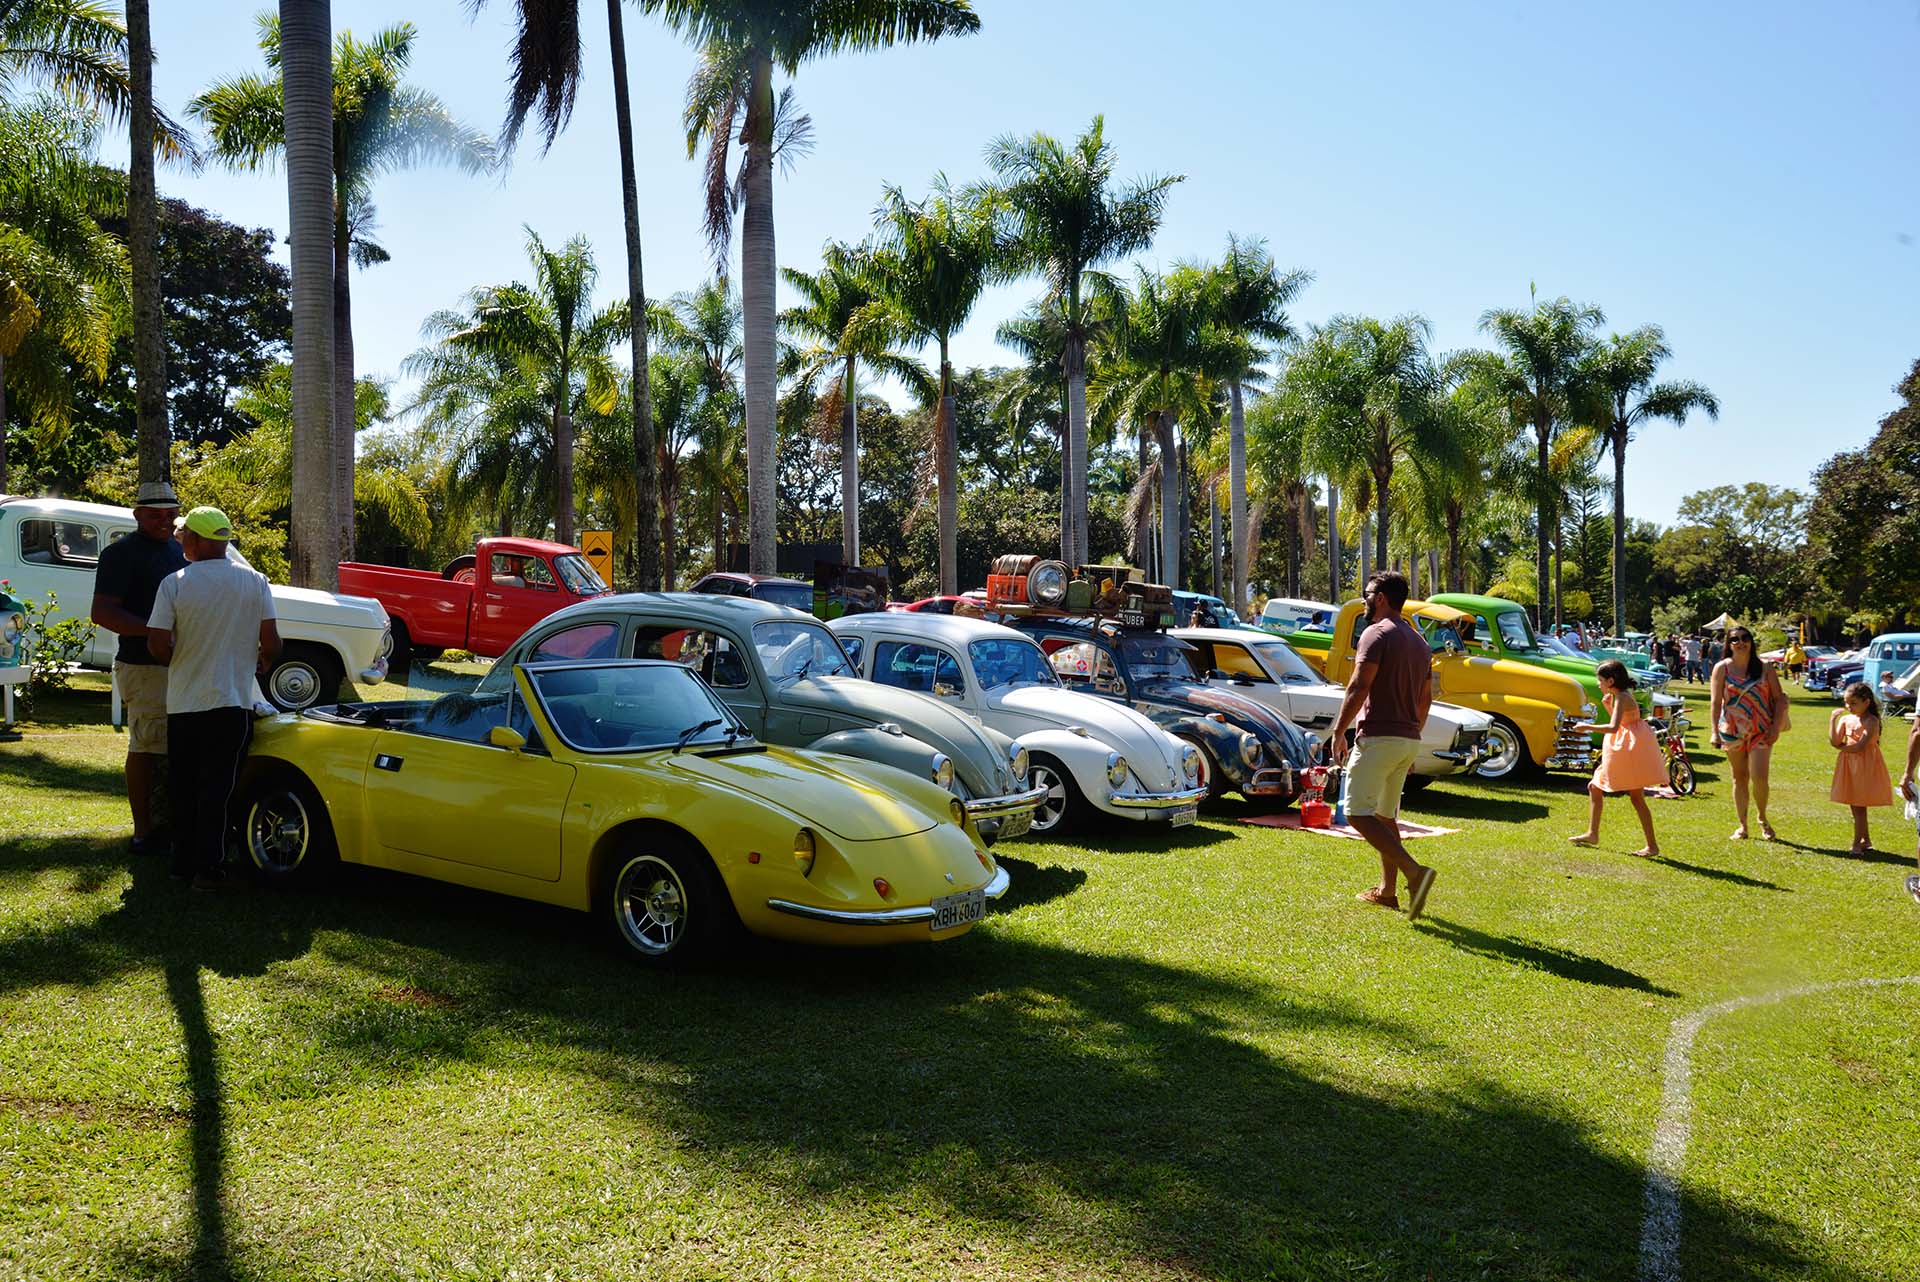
(1749, 712)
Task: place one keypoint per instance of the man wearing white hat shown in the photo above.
(213, 624)
(128, 576)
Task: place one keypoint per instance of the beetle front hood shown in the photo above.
(841, 803)
(1129, 733)
(980, 756)
(1248, 714)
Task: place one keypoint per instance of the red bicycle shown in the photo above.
(1672, 735)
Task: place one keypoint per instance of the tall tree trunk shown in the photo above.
(345, 422)
(4, 485)
(1558, 614)
(653, 558)
(757, 296)
(719, 532)
(1382, 480)
(1144, 541)
(945, 447)
(1213, 538)
(1183, 568)
(1543, 501)
(306, 62)
(562, 475)
(849, 465)
(1620, 527)
(1075, 364)
(1237, 492)
(1067, 550)
(1163, 434)
(143, 249)
(1455, 581)
(1333, 544)
(1366, 546)
(1433, 568)
(669, 525)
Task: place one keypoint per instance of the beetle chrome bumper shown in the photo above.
(1270, 783)
(879, 916)
(1000, 807)
(1157, 800)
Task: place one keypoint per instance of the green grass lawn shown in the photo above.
(1187, 1055)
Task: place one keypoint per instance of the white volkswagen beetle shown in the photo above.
(1092, 755)
(1267, 669)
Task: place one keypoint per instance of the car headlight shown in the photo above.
(1249, 750)
(1586, 711)
(958, 811)
(1047, 583)
(1190, 762)
(1017, 762)
(1116, 769)
(803, 850)
(386, 642)
(942, 770)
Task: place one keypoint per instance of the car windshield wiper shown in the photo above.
(687, 734)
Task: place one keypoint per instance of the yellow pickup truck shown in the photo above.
(1533, 710)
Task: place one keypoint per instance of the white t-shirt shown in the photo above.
(214, 610)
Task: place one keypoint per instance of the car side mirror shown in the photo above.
(946, 689)
(506, 737)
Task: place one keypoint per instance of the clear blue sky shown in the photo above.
(1739, 174)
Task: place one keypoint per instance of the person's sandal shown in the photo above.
(1767, 833)
(1372, 895)
(1583, 841)
(1739, 834)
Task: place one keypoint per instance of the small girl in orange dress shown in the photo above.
(1860, 776)
(1630, 759)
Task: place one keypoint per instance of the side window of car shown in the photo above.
(854, 645)
(73, 544)
(912, 666)
(582, 641)
(714, 657)
(1236, 662)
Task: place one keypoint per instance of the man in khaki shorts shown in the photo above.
(129, 573)
(1390, 692)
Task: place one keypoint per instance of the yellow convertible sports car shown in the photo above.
(624, 789)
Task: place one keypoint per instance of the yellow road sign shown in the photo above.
(598, 545)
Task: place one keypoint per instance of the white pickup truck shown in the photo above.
(53, 545)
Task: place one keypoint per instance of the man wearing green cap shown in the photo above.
(213, 626)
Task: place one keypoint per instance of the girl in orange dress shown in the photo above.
(1860, 776)
(1630, 759)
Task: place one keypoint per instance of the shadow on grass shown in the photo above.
(26, 766)
(1843, 852)
(1563, 962)
(1101, 1108)
(1507, 806)
(1035, 884)
(1719, 874)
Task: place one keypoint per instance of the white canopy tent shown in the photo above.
(1720, 624)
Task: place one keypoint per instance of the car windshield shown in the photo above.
(1007, 661)
(1564, 649)
(579, 575)
(631, 707)
(791, 649)
(1515, 632)
(1149, 656)
(1281, 659)
(796, 596)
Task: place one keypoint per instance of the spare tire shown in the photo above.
(460, 569)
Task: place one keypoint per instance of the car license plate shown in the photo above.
(1181, 818)
(959, 910)
(1014, 826)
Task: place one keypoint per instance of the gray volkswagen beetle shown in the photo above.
(786, 677)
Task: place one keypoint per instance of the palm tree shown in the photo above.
(380, 125)
(546, 79)
(1064, 219)
(676, 378)
(843, 326)
(63, 281)
(1624, 368)
(1485, 488)
(1249, 296)
(1277, 455)
(1370, 390)
(1544, 376)
(731, 95)
(934, 258)
(1037, 392)
(549, 329)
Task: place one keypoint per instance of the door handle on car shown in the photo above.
(387, 761)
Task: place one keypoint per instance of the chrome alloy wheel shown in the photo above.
(279, 831)
(294, 684)
(1053, 806)
(1505, 751)
(650, 905)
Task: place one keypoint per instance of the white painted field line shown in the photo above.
(1660, 1229)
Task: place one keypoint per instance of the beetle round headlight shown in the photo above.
(1047, 583)
(1116, 769)
(1249, 750)
(803, 850)
(958, 811)
(942, 770)
(1190, 762)
(1017, 762)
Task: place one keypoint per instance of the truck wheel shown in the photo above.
(460, 569)
(1063, 809)
(1507, 754)
(1210, 777)
(400, 657)
(305, 675)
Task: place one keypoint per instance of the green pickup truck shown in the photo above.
(1505, 632)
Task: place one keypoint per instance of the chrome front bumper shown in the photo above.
(1157, 800)
(1270, 782)
(880, 916)
(1000, 807)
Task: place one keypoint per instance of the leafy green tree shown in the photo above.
(1624, 368)
(1544, 375)
(731, 96)
(1065, 218)
(380, 125)
(1864, 521)
(934, 258)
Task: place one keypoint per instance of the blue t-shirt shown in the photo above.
(132, 568)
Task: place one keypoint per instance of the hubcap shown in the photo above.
(277, 832)
(295, 685)
(1053, 807)
(1505, 754)
(650, 905)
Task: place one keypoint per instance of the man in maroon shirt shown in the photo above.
(1390, 691)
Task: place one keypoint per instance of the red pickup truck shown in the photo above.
(481, 602)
